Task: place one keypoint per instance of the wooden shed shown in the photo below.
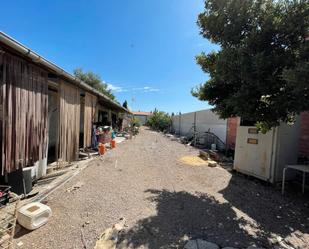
(46, 114)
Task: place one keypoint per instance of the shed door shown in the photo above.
(253, 152)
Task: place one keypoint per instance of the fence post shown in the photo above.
(194, 129)
(179, 124)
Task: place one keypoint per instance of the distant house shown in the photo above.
(142, 116)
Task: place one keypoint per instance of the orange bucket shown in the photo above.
(113, 143)
(102, 149)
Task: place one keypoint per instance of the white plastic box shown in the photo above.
(33, 215)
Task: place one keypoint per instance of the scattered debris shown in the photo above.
(83, 239)
(200, 244)
(282, 243)
(20, 243)
(203, 244)
(14, 197)
(212, 154)
(147, 164)
(5, 237)
(211, 163)
(8, 218)
(120, 139)
(184, 140)
(204, 154)
(189, 144)
(87, 153)
(109, 238)
(193, 160)
(184, 238)
(75, 187)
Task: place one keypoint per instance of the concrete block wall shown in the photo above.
(142, 119)
(226, 130)
(176, 124)
(206, 120)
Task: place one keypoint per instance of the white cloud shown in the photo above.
(115, 88)
(202, 44)
(137, 88)
(154, 90)
(144, 89)
(151, 89)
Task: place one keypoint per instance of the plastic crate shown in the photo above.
(4, 194)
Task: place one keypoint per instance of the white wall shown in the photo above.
(206, 120)
(142, 118)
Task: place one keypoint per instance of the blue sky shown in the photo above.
(143, 48)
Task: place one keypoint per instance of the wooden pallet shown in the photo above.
(7, 225)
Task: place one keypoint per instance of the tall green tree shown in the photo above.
(159, 120)
(125, 104)
(261, 70)
(94, 81)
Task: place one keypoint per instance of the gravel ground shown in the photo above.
(166, 202)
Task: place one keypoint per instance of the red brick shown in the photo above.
(231, 132)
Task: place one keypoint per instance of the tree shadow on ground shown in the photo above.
(181, 214)
(275, 214)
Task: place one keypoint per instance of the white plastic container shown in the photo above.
(41, 168)
(33, 215)
(213, 146)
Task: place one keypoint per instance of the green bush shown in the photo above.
(159, 121)
(136, 122)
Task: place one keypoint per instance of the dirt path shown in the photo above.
(166, 202)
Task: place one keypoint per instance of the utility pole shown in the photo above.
(179, 123)
(132, 101)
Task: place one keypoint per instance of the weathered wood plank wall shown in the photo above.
(89, 116)
(24, 115)
(69, 122)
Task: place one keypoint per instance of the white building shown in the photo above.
(142, 116)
